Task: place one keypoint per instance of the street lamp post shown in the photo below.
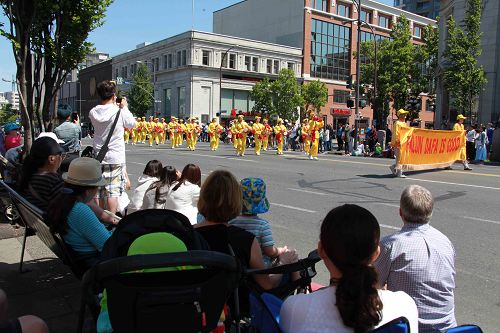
(220, 79)
(358, 72)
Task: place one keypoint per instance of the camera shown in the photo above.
(119, 100)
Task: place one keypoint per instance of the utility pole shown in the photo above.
(358, 72)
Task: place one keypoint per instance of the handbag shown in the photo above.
(89, 150)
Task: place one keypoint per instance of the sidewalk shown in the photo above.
(46, 289)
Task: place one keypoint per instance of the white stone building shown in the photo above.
(186, 71)
(12, 97)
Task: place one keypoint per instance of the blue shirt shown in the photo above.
(420, 261)
(71, 134)
(86, 234)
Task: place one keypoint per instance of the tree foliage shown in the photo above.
(141, 96)
(262, 95)
(7, 114)
(463, 78)
(48, 40)
(315, 95)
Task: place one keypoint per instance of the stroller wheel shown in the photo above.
(11, 214)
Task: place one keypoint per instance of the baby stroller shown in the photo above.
(186, 300)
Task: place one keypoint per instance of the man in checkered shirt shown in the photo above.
(420, 261)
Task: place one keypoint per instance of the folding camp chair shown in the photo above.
(465, 329)
(398, 325)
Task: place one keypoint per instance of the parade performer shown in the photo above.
(143, 130)
(459, 126)
(158, 131)
(242, 129)
(151, 130)
(135, 132)
(396, 142)
(234, 134)
(197, 131)
(280, 132)
(165, 130)
(192, 130)
(214, 132)
(173, 128)
(127, 133)
(258, 130)
(306, 139)
(265, 134)
(180, 134)
(315, 125)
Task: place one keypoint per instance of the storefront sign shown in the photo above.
(340, 112)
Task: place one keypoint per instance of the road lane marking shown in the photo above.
(238, 158)
(138, 163)
(449, 183)
(386, 204)
(390, 227)
(295, 208)
(306, 191)
(481, 220)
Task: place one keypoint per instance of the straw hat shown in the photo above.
(84, 171)
(461, 116)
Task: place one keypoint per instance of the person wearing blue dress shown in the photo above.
(481, 142)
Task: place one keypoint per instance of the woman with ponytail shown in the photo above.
(349, 244)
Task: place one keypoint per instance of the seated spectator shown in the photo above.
(151, 174)
(420, 261)
(71, 216)
(255, 202)
(70, 133)
(12, 136)
(348, 245)
(184, 193)
(40, 182)
(24, 324)
(378, 150)
(220, 202)
(156, 194)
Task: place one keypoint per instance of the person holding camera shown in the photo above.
(102, 117)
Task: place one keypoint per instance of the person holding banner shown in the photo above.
(396, 142)
(459, 126)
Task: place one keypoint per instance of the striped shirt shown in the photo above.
(420, 261)
(86, 234)
(46, 187)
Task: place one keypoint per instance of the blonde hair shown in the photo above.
(416, 204)
(220, 197)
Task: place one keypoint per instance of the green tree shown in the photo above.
(315, 95)
(53, 33)
(262, 95)
(141, 96)
(287, 97)
(7, 114)
(463, 78)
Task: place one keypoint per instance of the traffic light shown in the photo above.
(350, 103)
(349, 83)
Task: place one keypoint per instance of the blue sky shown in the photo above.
(130, 22)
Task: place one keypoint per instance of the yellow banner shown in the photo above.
(423, 149)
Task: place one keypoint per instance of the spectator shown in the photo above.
(220, 202)
(102, 117)
(184, 193)
(12, 136)
(489, 134)
(420, 261)
(24, 324)
(470, 142)
(255, 202)
(348, 245)
(327, 142)
(72, 218)
(151, 174)
(321, 140)
(40, 182)
(340, 135)
(346, 137)
(481, 142)
(156, 194)
(70, 133)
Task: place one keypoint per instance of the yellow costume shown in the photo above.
(257, 130)
(242, 129)
(396, 142)
(165, 129)
(280, 132)
(157, 131)
(233, 134)
(192, 130)
(306, 139)
(151, 130)
(265, 134)
(181, 130)
(459, 126)
(214, 132)
(173, 128)
(315, 125)
(143, 130)
(135, 131)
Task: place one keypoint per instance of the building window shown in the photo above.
(248, 63)
(165, 61)
(205, 57)
(269, 67)
(343, 10)
(236, 99)
(330, 51)
(156, 64)
(179, 57)
(417, 31)
(291, 66)
(276, 67)
(320, 5)
(167, 111)
(232, 61)
(116, 73)
(124, 72)
(181, 101)
(169, 60)
(383, 21)
(255, 64)
(341, 96)
(366, 16)
(184, 58)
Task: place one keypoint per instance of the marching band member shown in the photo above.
(306, 140)
(258, 130)
(242, 129)
(182, 131)
(135, 131)
(396, 142)
(173, 127)
(127, 134)
(144, 130)
(280, 132)
(214, 132)
(165, 130)
(265, 134)
(158, 131)
(234, 134)
(459, 126)
(191, 133)
(151, 130)
(315, 125)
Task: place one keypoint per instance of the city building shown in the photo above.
(427, 8)
(199, 73)
(324, 29)
(12, 98)
(487, 108)
(3, 100)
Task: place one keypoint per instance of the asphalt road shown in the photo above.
(301, 192)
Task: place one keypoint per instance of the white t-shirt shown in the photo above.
(317, 312)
